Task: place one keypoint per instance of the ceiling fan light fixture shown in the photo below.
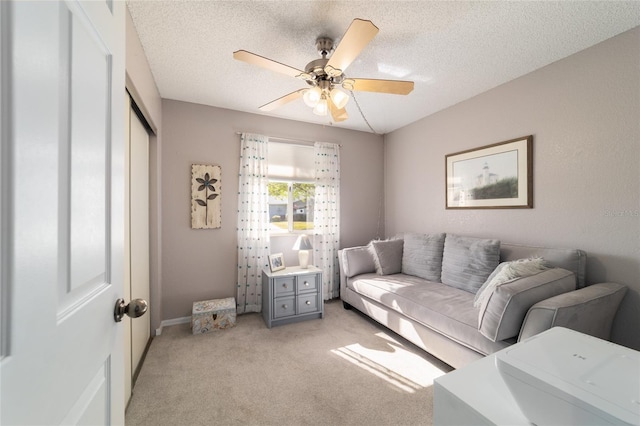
(324, 76)
(322, 107)
(339, 98)
(312, 96)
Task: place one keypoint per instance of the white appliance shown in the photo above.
(565, 377)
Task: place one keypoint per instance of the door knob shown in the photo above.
(136, 308)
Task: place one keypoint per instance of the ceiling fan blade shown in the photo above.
(261, 61)
(396, 87)
(358, 35)
(283, 100)
(337, 114)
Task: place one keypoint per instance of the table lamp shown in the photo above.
(303, 245)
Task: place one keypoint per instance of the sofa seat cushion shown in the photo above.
(447, 310)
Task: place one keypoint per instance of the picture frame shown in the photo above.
(497, 176)
(276, 262)
(206, 196)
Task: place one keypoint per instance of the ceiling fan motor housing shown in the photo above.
(316, 68)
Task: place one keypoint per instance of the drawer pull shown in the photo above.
(308, 302)
(284, 306)
(284, 285)
(306, 283)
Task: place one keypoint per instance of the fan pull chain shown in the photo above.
(362, 113)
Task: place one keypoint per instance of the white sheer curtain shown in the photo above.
(253, 221)
(326, 222)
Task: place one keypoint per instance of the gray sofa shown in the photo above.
(424, 287)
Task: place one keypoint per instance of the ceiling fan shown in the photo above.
(324, 75)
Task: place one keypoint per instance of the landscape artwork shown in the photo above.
(206, 196)
(493, 176)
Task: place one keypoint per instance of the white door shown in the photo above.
(62, 212)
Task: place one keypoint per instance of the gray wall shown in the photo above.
(201, 264)
(584, 114)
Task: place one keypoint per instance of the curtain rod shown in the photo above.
(290, 139)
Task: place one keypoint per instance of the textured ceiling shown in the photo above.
(453, 50)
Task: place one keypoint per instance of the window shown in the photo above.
(291, 187)
(291, 206)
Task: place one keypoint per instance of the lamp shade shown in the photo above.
(312, 96)
(339, 98)
(303, 243)
(322, 107)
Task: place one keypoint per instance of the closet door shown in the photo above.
(139, 231)
(138, 332)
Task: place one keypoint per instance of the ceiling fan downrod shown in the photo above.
(324, 46)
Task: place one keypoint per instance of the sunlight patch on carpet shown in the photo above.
(392, 362)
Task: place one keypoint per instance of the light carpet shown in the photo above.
(344, 369)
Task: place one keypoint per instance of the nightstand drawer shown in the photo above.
(308, 283)
(307, 303)
(284, 286)
(284, 307)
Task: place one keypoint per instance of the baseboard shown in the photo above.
(174, 321)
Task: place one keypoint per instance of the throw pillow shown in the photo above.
(506, 272)
(356, 261)
(387, 256)
(467, 262)
(422, 255)
(502, 314)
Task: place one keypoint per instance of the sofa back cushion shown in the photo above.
(467, 262)
(573, 260)
(387, 256)
(422, 255)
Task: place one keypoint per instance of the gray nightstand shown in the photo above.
(291, 295)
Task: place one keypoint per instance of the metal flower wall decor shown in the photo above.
(205, 196)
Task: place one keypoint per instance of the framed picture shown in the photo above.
(205, 196)
(276, 262)
(498, 176)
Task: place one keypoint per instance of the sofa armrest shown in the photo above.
(343, 276)
(590, 310)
